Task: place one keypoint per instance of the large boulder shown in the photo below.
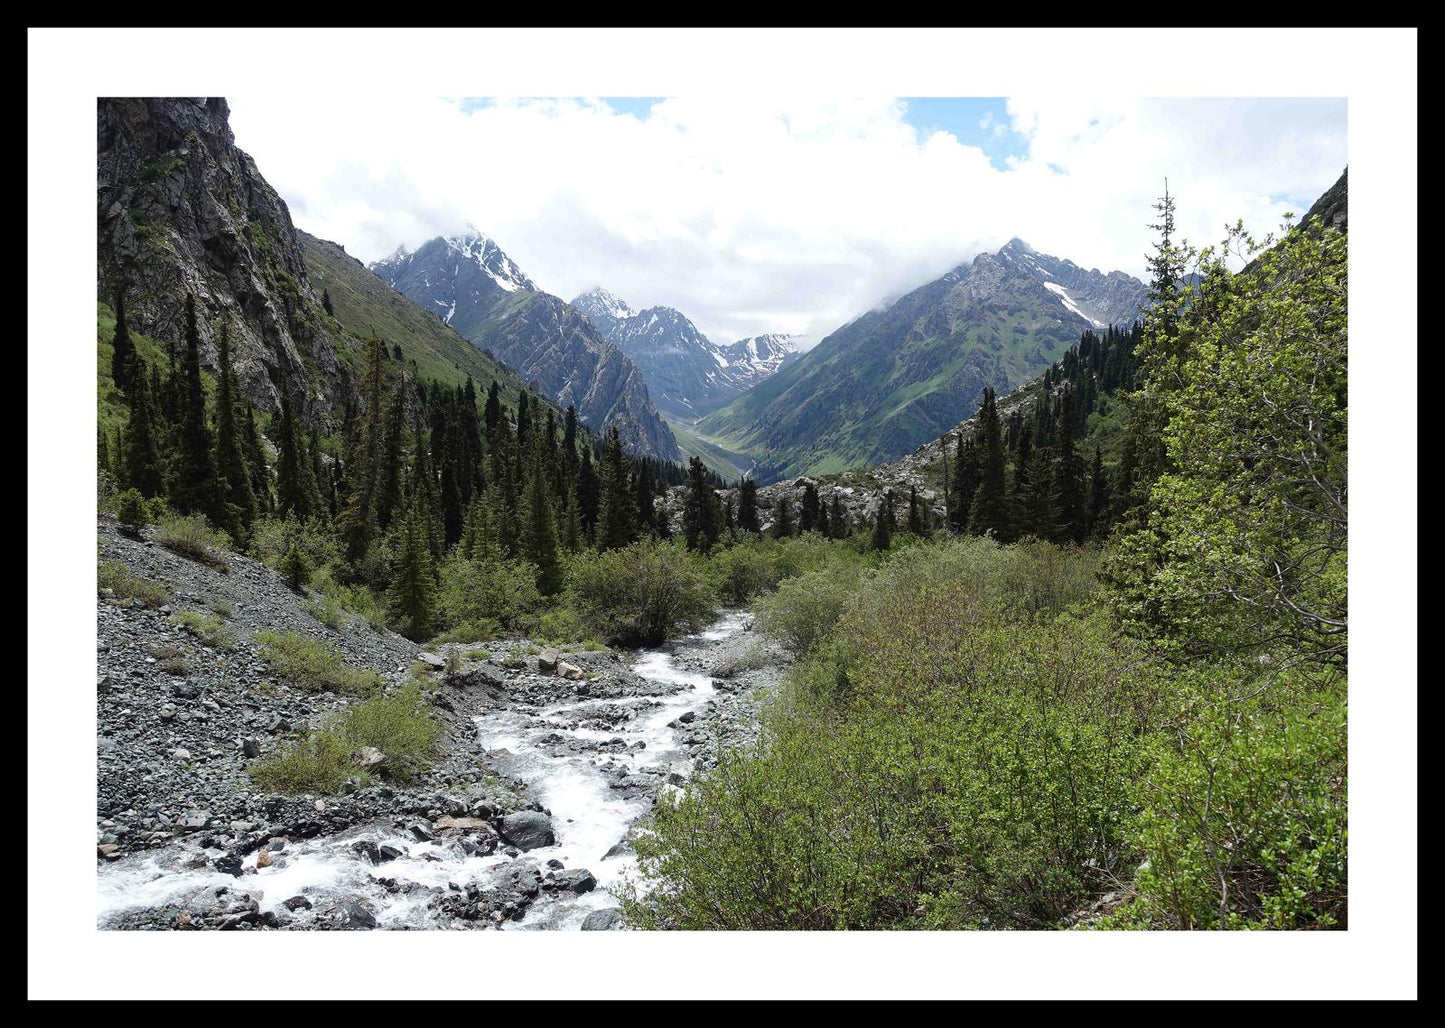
(604, 920)
(528, 829)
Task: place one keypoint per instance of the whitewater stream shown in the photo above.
(589, 818)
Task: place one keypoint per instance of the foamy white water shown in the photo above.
(589, 819)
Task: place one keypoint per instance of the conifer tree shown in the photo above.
(1069, 476)
(808, 509)
(966, 476)
(748, 507)
(476, 541)
(699, 524)
(838, 519)
(573, 538)
(142, 454)
(539, 528)
(195, 487)
(260, 474)
(988, 511)
(916, 523)
(730, 517)
(615, 515)
(293, 469)
(413, 589)
(1098, 521)
(239, 499)
(825, 526)
(326, 303)
(588, 490)
(883, 525)
(783, 520)
(389, 497)
(493, 411)
(123, 360)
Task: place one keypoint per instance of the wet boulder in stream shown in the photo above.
(527, 829)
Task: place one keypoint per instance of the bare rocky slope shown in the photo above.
(180, 722)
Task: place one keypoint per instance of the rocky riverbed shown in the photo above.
(547, 762)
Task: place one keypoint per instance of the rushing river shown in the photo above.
(589, 818)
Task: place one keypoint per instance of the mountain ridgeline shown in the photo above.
(688, 374)
(894, 378)
(472, 286)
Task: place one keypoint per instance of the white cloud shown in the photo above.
(754, 215)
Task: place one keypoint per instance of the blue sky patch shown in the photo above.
(975, 121)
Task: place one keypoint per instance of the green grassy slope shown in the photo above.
(365, 304)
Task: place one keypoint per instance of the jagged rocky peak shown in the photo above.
(600, 301)
(182, 211)
(477, 246)
(1098, 298)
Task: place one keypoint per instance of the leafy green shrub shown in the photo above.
(192, 536)
(641, 594)
(222, 606)
(314, 666)
(400, 725)
(209, 628)
(318, 762)
(357, 599)
(957, 764)
(273, 538)
(806, 609)
(128, 588)
(478, 655)
(486, 589)
(132, 511)
(323, 610)
(561, 625)
(1243, 811)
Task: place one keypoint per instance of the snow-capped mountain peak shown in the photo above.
(1099, 299)
(687, 374)
(600, 301)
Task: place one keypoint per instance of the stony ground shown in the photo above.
(180, 722)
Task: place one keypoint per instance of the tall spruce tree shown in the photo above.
(295, 490)
(413, 588)
(539, 527)
(988, 511)
(196, 489)
(326, 303)
(699, 522)
(573, 537)
(883, 524)
(783, 518)
(144, 467)
(615, 514)
(748, 507)
(808, 509)
(123, 361)
(1098, 522)
(838, 519)
(917, 525)
(256, 466)
(966, 476)
(1069, 475)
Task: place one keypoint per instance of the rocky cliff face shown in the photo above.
(473, 286)
(555, 347)
(181, 210)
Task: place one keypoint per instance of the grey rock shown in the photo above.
(527, 830)
(547, 660)
(570, 671)
(604, 920)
